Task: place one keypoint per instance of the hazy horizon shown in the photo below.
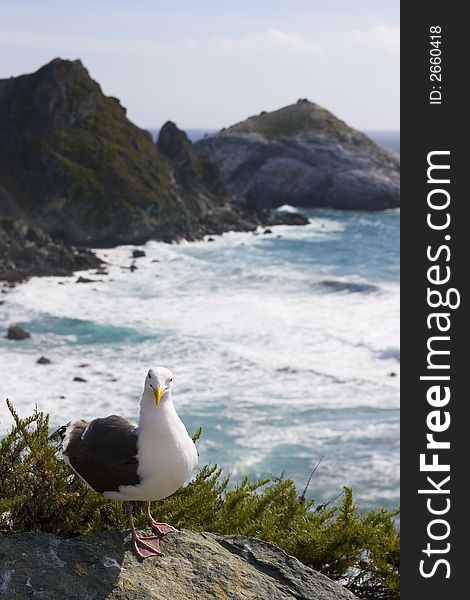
(214, 129)
(389, 139)
(215, 64)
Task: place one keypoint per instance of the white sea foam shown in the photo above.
(288, 208)
(284, 349)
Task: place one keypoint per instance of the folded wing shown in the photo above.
(103, 452)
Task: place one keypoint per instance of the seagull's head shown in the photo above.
(158, 383)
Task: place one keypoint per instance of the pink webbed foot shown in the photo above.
(162, 528)
(147, 546)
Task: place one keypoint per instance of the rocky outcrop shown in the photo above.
(193, 565)
(15, 332)
(76, 167)
(42, 360)
(26, 250)
(303, 155)
(199, 178)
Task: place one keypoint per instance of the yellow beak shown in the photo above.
(158, 394)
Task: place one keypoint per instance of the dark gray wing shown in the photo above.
(105, 455)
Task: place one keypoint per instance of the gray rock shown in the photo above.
(286, 218)
(43, 361)
(27, 251)
(303, 155)
(138, 253)
(15, 332)
(193, 565)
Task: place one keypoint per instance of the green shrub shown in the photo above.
(38, 492)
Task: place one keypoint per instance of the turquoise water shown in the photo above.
(285, 348)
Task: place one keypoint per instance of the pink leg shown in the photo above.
(143, 546)
(160, 528)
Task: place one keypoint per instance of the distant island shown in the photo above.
(76, 172)
(304, 156)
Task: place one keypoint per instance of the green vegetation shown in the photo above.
(38, 492)
(107, 152)
(302, 117)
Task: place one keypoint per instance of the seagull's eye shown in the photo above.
(170, 380)
(150, 376)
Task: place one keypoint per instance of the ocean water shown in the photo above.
(284, 347)
(387, 139)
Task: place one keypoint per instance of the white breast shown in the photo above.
(166, 456)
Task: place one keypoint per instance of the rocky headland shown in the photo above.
(193, 565)
(303, 155)
(76, 167)
(76, 171)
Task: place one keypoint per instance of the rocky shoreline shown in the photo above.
(26, 251)
(76, 174)
(78, 169)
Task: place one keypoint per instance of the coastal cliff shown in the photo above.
(303, 155)
(76, 167)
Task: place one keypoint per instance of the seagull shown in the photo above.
(144, 463)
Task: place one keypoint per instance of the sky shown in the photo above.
(209, 63)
